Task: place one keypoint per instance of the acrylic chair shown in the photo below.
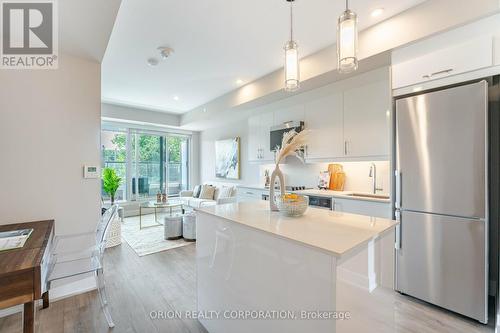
(65, 264)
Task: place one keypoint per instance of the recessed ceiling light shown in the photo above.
(377, 12)
(176, 98)
(239, 81)
(152, 62)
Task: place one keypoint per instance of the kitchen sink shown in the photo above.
(368, 195)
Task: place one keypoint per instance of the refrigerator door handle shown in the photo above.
(397, 201)
(397, 244)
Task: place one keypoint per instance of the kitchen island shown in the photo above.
(259, 271)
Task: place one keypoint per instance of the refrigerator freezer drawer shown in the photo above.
(442, 260)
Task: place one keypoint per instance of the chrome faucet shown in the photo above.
(373, 174)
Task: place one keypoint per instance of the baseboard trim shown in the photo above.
(58, 293)
(355, 279)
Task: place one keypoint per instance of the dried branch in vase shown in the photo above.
(292, 144)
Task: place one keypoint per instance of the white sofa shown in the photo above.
(188, 200)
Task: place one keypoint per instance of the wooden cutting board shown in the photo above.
(337, 177)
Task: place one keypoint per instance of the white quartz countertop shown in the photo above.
(326, 193)
(334, 232)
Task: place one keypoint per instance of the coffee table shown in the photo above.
(171, 204)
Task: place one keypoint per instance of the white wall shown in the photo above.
(49, 128)
(249, 172)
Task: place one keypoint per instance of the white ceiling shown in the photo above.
(85, 26)
(216, 42)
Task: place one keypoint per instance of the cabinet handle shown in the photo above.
(397, 244)
(445, 71)
(398, 178)
(345, 147)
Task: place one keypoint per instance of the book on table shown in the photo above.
(14, 239)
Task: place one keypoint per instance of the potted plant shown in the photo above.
(110, 182)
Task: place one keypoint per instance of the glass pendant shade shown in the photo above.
(292, 75)
(347, 42)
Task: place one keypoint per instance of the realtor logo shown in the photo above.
(29, 34)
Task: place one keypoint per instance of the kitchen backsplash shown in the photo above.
(357, 174)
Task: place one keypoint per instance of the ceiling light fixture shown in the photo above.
(165, 52)
(347, 41)
(152, 62)
(176, 98)
(239, 81)
(377, 12)
(292, 70)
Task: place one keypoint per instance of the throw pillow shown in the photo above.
(197, 191)
(207, 192)
(216, 193)
(225, 192)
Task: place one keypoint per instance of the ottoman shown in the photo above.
(189, 226)
(173, 226)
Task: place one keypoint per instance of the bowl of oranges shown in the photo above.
(292, 204)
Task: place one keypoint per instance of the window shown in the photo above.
(148, 162)
(114, 155)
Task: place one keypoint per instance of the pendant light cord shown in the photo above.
(346, 5)
(291, 20)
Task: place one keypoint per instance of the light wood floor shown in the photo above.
(166, 281)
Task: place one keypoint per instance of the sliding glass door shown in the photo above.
(148, 162)
(177, 164)
(148, 152)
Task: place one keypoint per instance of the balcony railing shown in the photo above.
(149, 178)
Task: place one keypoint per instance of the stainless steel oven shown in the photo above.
(320, 202)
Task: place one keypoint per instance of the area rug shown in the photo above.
(147, 240)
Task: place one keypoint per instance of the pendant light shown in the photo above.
(347, 41)
(292, 71)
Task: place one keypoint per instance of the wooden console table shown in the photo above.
(23, 271)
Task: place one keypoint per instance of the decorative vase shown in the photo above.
(272, 200)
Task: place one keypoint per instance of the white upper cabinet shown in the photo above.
(259, 128)
(266, 122)
(366, 120)
(347, 120)
(323, 117)
(253, 138)
(291, 113)
(430, 63)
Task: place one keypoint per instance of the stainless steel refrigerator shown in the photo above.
(441, 198)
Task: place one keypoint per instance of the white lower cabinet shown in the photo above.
(363, 207)
(372, 266)
(249, 194)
